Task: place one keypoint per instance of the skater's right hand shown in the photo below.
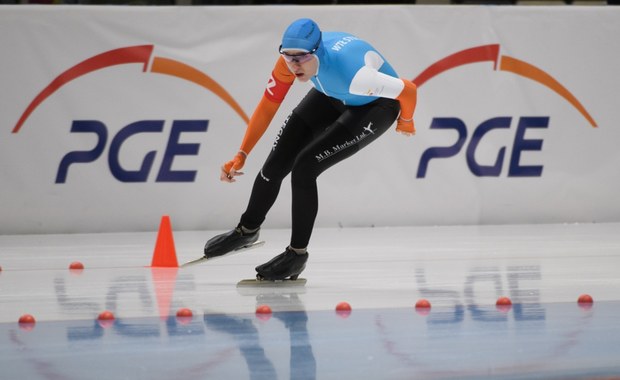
(230, 169)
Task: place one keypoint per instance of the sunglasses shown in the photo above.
(299, 57)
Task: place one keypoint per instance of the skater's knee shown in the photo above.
(272, 174)
(304, 174)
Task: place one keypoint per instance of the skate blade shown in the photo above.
(194, 262)
(271, 283)
(256, 244)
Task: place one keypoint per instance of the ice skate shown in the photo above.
(233, 241)
(287, 265)
(230, 241)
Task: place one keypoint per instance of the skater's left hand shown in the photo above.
(405, 126)
(230, 169)
(408, 99)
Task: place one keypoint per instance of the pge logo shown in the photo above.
(490, 53)
(159, 65)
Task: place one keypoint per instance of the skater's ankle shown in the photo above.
(246, 230)
(299, 251)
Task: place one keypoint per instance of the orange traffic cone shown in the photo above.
(165, 254)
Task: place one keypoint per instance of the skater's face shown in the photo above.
(303, 64)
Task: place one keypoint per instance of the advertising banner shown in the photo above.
(114, 116)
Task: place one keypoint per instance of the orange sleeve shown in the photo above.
(277, 87)
(408, 99)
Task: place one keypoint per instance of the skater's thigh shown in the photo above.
(318, 111)
(370, 121)
(291, 138)
(311, 117)
(354, 129)
(333, 146)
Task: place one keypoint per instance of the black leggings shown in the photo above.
(319, 133)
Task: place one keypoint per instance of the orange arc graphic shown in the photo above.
(524, 69)
(490, 53)
(180, 70)
(132, 54)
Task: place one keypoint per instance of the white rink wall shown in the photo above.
(114, 116)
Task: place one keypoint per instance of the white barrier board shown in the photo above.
(114, 116)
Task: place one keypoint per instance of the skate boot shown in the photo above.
(230, 241)
(288, 264)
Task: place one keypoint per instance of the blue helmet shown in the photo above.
(303, 34)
